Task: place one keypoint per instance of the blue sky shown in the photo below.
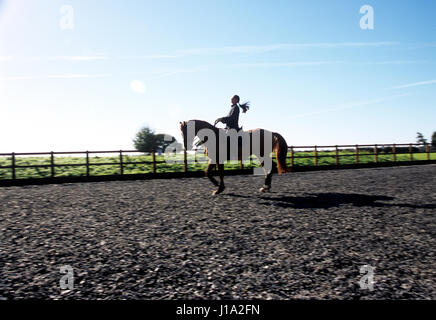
(308, 69)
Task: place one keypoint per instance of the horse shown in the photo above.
(219, 149)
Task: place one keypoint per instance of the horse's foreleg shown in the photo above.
(208, 172)
(221, 186)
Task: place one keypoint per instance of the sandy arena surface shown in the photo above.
(171, 239)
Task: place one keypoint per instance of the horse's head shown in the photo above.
(190, 129)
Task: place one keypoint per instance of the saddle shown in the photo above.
(227, 129)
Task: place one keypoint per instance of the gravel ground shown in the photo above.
(171, 239)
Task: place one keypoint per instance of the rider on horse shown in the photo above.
(232, 119)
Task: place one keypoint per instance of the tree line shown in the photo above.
(147, 140)
(420, 139)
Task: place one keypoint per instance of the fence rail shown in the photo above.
(316, 153)
(378, 149)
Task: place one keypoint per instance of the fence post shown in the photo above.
(315, 153)
(427, 151)
(357, 154)
(121, 162)
(241, 165)
(52, 164)
(87, 163)
(394, 152)
(336, 155)
(292, 156)
(13, 166)
(153, 153)
(375, 154)
(410, 152)
(185, 161)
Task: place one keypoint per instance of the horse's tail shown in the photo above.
(281, 151)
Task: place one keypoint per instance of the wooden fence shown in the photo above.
(377, 150)
(307, 152)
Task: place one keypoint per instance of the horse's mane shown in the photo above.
(205, 123)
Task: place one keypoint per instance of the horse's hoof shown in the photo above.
(265, 189)
(218, 191)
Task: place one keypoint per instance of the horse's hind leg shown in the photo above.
(268, 177)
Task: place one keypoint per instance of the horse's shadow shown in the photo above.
(331, 200)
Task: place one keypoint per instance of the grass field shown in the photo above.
(196, 163)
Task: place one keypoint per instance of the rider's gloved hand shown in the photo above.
(217, 120)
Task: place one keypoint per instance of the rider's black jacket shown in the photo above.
(232, 119)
